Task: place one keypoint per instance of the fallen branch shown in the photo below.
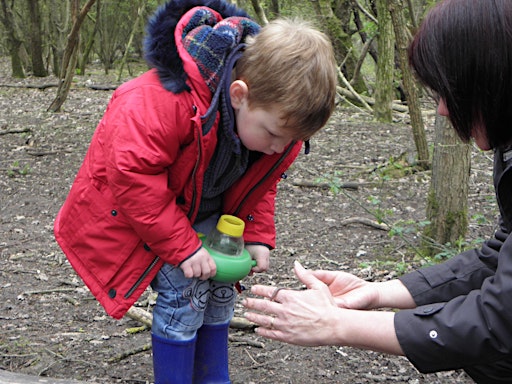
(241, 323)
(7, 377)
(245, 341)
(46, 153)
(14, 130)
(36, 86)
(338, 264)
(353, 92)
(95, 87)
(146, 318)
(45, 291)
(99, 87)
(134, 330)
(140, 315)
(354, 96)
(364, 221)
(324, 185)
(131, 352)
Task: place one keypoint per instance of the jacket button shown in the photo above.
(146, 247)
(194, 108)
(112, 293)
(180, 200)
(113, 212)
(433, 334)
(250, 217)
(284, 176)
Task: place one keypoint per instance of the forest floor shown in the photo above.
(50, 325)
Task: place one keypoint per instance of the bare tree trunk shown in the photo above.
(384, 90)
(59, 27)
(447, 200)
(275, 8)
(140, 12)
(260, 13)
(36, 43)
(70, 55)
(83, 60)
(336, 17)
(396, 8)
(13, 39)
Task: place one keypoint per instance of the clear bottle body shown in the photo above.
(227, 236)
(225, 244)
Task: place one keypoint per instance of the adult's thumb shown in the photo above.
(307, 277)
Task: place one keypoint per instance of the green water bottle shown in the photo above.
(225, 243)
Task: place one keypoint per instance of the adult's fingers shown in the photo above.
(267, 291)
(307, 277)
(262, 320)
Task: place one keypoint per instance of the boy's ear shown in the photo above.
(238, 91)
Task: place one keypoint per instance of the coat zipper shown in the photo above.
(267, 175)
(189, 215)
(194, 189)
(142, 277)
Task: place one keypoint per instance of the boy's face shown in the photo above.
(258, 129)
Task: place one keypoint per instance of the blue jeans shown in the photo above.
(183, 304)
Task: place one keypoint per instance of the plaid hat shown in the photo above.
(209, 42)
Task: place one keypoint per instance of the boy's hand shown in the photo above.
(200, 265)
(261, 254)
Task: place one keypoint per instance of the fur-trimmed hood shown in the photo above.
(160, 50)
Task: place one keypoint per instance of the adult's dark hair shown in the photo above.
(463, 52)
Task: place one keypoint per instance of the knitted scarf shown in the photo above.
(215, 47)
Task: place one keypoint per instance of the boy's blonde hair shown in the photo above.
(291, 65)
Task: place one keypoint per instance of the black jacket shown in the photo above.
(464, 313)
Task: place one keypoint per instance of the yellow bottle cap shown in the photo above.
(231, 225)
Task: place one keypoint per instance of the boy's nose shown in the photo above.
(279, 146)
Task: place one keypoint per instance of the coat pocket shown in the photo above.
(97, 232)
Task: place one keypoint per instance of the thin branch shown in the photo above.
(367, 14)
(356, 95)
(14, 130)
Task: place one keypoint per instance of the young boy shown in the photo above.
(209, 130)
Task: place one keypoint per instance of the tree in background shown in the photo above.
(58, 27)
(36, 39)
(396, 9)
(69, 59)
(14, 40)
(384, 89)
(447, 203)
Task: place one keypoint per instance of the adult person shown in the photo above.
(457, 314)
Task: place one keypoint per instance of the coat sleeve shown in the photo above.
(260, 227)
(143, 139)
(463, 315)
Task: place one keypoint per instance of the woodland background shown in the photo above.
(64, 37)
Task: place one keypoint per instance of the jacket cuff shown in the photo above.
(419, 339)
(257, 243)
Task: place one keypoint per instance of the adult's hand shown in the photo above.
(297, 317)
(313, 317)
(351, 292)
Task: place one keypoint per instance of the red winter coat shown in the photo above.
(138, 190)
